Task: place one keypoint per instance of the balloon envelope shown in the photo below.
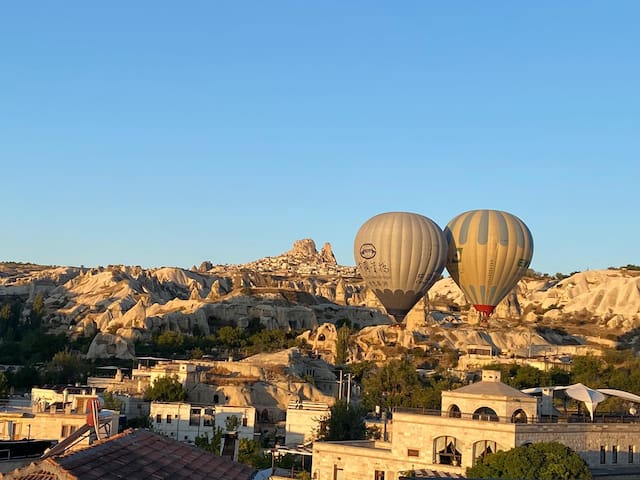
(489, 251)
(400, 255)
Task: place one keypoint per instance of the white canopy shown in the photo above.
(589, 396)
(620, 393)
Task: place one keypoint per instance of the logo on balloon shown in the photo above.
(367, 251)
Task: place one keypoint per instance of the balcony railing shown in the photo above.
(565, 418)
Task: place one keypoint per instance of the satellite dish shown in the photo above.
(489, 252)
(400, 255)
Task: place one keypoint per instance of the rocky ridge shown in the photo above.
(306, 289)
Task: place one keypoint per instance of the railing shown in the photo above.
(566, 418)
(286, 473)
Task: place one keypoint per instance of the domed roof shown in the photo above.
(497, 389)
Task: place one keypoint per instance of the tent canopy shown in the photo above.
(589, 396)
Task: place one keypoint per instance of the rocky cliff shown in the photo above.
(304, 289)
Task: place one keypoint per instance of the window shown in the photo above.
(486, 414)
(208, 417)
(454, 411)
(445, 451)
(614, 454)
(244, 421)
(630, 454)
(603, 455)
(194, 417)
(338, 473)
(67, 430)
(519, 416)
(411, 452)
(169, 418)
(378, 475)
(483, 448)
(17, 431)
(158, 418)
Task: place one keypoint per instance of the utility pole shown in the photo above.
(348, 388)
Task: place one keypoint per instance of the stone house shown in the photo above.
(303, 421)
(185, 421)
(474, 421)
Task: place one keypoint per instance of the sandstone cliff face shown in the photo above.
(302, 289)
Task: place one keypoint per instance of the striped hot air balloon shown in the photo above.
(400, 255)
(489, 251)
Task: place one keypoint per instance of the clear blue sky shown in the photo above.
(167, 133)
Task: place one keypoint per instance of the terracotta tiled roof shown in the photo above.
(137, 455)
(39, 475)
(143, 455)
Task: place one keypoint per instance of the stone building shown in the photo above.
(475, 420)
(48, 422)
(303, 421)
(184, 421)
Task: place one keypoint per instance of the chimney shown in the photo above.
(491, 375)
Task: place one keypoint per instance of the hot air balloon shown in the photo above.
(400, 255)
(489, 251)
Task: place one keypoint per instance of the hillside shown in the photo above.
(305, 289)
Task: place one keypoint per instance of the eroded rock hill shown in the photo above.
(305, 289)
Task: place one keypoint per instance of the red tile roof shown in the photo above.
(37, 475)
(141, 455)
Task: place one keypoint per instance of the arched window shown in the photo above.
(216, 398)
(519, 416)
(454, 411)
(321, 337)
(486, 414)
(483, 448)
(445, 451)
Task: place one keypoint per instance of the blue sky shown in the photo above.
(167, 133)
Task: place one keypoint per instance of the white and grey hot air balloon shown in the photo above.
(400, 255)
(489, 252)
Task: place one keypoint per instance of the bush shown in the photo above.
(166, 389)
(539, 461)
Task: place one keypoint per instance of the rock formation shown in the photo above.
(301, 289)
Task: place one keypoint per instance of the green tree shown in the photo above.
(396, 384)
(212, 444)
(539, 461)
(37, 311)
(345, 422)
(170, 342)
(166, 389)
(590, 371)
(111, 402)
(359, 370)
(66, 368)
(38, 305)
(231, 423)
(250, 453)
(4, 386)
(8, 320)
(268, 340)
(231, 337)
(24, 378)
(37, 347)
(196, 353)
(343, 339)
(558, 376)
